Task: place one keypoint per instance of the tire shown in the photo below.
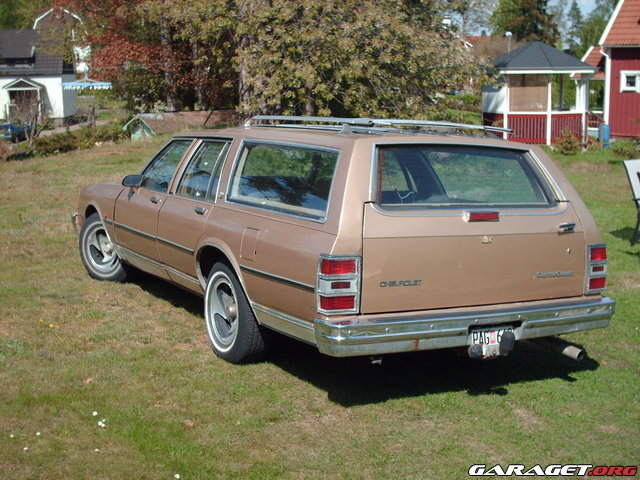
(233, 330)
(97, 252)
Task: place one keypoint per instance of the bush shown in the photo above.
(62, 142)
(84, 138)
(5, 150)
(626, 148)
(567, 143)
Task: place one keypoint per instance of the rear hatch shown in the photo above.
(462, 226)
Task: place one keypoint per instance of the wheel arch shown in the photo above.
(210, 253)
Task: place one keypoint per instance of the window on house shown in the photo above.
(630, 81)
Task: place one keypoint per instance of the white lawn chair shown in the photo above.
(633, 172)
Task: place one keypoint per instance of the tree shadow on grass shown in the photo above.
(354, 381)
(623, 233)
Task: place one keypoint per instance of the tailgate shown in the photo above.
(439, 259)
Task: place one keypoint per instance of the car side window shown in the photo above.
(292, 179)
(204, 165)
(158, 174)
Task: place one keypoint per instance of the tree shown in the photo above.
(353, 57)
(575, 23)
(474, 15)
(595, 24)
(18, 14)
(344, 58)
(527, 20)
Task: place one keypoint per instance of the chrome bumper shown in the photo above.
(76, 220)
(433, 331)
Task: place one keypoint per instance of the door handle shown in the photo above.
(155, 199)
(200, 210)
(567, 227)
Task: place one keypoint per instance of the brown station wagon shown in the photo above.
(358, 236)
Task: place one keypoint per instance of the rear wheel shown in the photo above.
(232, 328)
(98, 253)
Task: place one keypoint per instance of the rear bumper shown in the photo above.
(385, 334)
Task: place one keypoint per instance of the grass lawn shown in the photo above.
(117, 381)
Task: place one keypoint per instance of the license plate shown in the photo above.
(488, 336)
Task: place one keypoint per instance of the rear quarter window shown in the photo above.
(454, 176)
(291, 179)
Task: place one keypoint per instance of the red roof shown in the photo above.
(595, 58)
(624, 27)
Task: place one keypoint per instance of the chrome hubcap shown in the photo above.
(221, 312)
(100, 249)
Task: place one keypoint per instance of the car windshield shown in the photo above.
(454, 176)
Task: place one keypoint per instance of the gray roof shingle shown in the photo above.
(539, 56)
(21, 53)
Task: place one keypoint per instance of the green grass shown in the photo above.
(137, 354)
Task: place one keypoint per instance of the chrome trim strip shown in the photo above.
(548, 177)
(279, 279)
(188, 250)
(131, 230)
(460, 213)
(291, 326)
(157, 264)
(126, 252)
(175, 245)
(433, 331)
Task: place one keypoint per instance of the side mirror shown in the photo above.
(132, 181)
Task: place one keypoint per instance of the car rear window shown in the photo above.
(288, 178)
(454, 176)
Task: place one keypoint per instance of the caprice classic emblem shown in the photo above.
(553, 274)
(401, 283)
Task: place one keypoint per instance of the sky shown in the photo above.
(586, 5)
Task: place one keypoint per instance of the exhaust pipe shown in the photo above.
(558, 345)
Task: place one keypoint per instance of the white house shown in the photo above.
(32, 72)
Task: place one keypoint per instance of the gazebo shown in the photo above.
(538, 99)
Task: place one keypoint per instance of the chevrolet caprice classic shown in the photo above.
(358, 236)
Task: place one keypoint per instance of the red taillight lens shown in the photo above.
(338, 267)
(598, 254)
(597, 283)
(483, 217)
(597, 268)
(338, 284)
(338, 303)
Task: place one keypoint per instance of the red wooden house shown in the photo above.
(538, 99)
(619, 47)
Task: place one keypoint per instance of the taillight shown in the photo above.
(596, 268)
(338, 284)
(481, 216)
(330, 266)
(597, 254)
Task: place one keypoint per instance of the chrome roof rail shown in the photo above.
(344, 125)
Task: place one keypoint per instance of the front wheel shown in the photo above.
(97, 252)
(232, 328)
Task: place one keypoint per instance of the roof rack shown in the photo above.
(347, 125)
